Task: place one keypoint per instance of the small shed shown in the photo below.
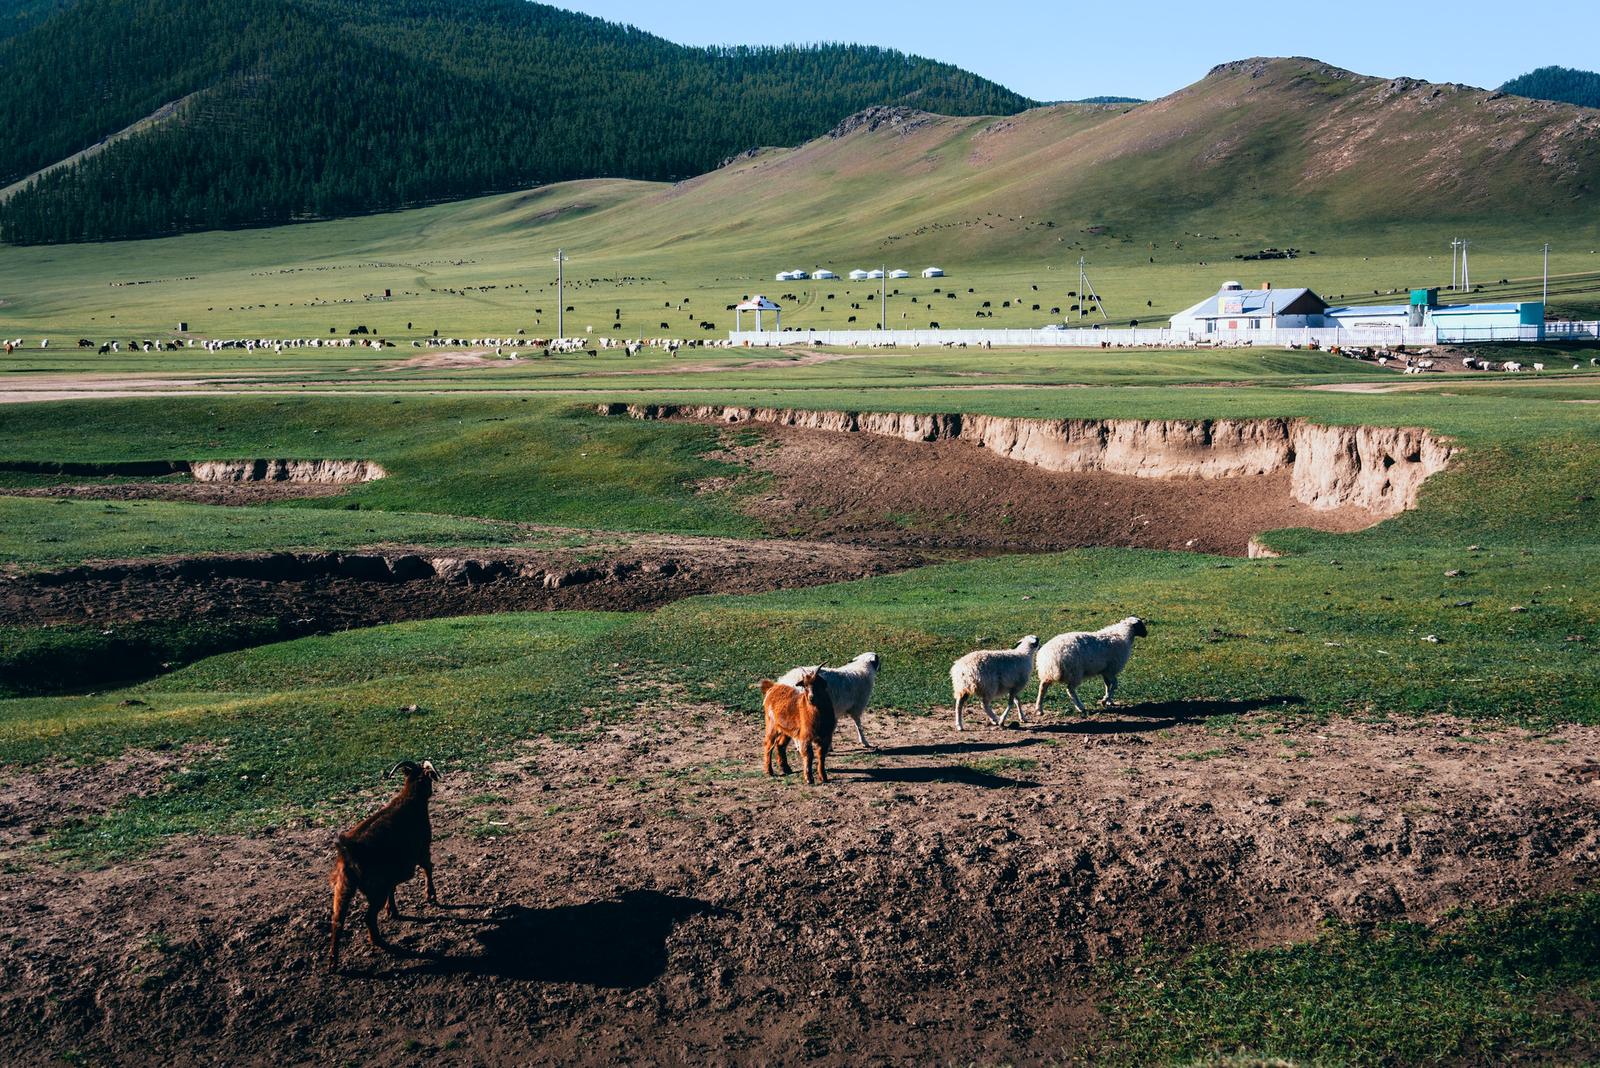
(933, 272)
(757, 304)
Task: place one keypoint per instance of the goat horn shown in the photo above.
(398, 765)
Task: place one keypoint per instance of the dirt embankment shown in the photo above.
(1377, 469)
(648, 897)
(336, 591)
(328, 472)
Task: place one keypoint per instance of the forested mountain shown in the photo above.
(18, 15)
(1563, 84)
(301, 108)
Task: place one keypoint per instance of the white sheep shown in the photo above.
(988, 673)
(849, 686)
(1070, 658)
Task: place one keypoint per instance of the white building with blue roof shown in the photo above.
(1236, 308)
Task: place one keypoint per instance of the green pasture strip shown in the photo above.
(1517, 984)
(41, 533)
(306, 732)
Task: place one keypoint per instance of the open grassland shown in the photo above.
(484, 268)
(598, 743)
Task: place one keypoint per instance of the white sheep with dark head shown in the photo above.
(1072, 657)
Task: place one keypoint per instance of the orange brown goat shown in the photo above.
(383, 851)
(802, 714)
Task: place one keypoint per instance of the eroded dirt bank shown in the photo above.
(1377, 469)
(647, 897)
(340, 590)
(951, 494)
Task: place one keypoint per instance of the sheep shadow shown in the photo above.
(1162, 715)
(952, 748)
(955, 773)
(619, 944)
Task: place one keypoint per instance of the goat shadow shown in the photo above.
(619, 944)
(1161, 715)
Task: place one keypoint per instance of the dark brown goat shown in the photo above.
(383, 851)
(802, 714)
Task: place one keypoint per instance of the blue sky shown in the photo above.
(1144, 48)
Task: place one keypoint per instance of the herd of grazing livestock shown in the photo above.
(801, 708)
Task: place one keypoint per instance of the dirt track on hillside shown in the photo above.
(649, 897)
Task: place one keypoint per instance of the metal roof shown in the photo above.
(1253, 302)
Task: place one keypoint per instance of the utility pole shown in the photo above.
(1547, 274)
(561, 300)
(1086, 290)
(883, 294)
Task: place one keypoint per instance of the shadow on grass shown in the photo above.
(1162, 715)
(954, 773)
(619, 944)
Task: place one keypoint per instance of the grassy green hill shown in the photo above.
(298, 108)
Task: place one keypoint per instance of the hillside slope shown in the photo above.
(1284, 152)
(325, 107)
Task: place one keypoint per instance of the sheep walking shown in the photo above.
(849, 686)
(1070, 658)
(989, 673)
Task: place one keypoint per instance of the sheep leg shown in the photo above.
(343, 892)
(1038, 706)
(861, 735)
(959, 702)
(1111, 692)
(988, 710)
(1021, 719)
(1072, 691)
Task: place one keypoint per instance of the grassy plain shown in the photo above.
(1337, 627)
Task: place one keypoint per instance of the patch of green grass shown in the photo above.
(1517, 984)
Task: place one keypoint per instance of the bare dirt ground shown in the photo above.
(872, 490)
(337, 591)
(647, 897)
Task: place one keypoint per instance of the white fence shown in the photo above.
(1571, 331)
(1161, 338)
